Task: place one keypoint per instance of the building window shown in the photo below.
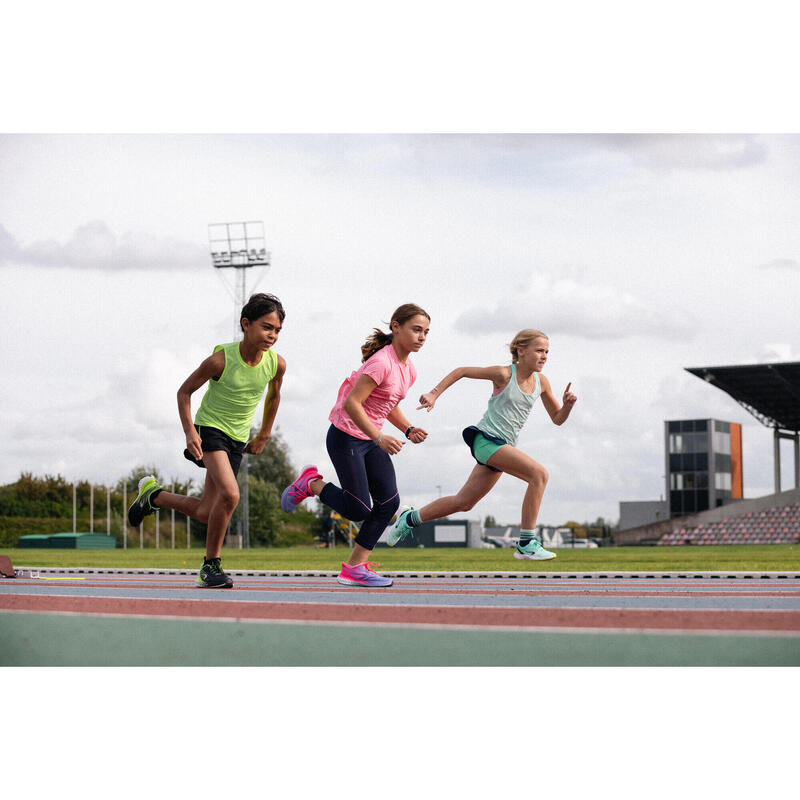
(722, 462)
(722, 442)
(688, 443)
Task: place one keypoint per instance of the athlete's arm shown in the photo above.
(271, 404)
(212, 367)
(398, 419)
(498, 375)
(558, 413)
(354, 406)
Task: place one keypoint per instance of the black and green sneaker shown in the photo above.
(142, 505)
(212, 576)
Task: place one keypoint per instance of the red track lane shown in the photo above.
(527, 591)
(635, 619)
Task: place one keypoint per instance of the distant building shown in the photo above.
(703, 459)
(703, 464)
(635, 513)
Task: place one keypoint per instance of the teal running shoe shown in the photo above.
(533, 551)
(400, 529)
(143, 506)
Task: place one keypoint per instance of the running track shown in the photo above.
(159, 618)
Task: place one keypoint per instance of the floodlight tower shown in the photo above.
(239, 246)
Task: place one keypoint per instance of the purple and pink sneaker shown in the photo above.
(362, 575)
(298, 491)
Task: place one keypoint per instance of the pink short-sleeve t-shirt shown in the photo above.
(394, 380)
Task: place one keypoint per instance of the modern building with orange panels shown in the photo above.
(703, 464)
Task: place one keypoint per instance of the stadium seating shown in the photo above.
(770, 526)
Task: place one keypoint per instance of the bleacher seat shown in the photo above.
(769, 526)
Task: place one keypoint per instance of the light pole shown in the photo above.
(239, 246)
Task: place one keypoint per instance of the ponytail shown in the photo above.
(375, 342)
(379, 339)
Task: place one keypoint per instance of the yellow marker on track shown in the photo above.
(61, 579)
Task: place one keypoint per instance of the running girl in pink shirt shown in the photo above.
(359, 450)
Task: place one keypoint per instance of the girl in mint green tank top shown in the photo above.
(237, 374)
(493, 440)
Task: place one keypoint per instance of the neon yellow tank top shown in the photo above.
(230, 402)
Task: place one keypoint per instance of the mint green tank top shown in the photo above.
(508, 410)
(230, 402)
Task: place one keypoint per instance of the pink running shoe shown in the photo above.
(362, 575)
(295, 494)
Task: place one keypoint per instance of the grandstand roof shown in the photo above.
(770, 392)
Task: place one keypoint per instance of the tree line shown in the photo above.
(42, 505)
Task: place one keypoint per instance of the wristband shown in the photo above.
(408, 430)
(378, 440)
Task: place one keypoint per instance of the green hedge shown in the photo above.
(11, 528)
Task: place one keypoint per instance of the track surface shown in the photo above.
(126, 618)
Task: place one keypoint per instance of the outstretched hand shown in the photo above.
(427, 400)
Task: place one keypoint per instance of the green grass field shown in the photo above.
(659, 559)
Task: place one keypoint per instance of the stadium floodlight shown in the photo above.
(239, 246)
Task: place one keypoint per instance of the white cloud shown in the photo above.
(94, 246)
(573, 307)
(789, 264)
(777, 351)
(714, 152)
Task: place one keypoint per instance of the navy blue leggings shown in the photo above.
(365, 472)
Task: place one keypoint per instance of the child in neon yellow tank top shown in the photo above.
(493, 440)
(238, 373)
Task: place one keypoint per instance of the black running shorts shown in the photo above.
(215, 439)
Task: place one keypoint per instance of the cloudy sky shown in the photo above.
(638, 254)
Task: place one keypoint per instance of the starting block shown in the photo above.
(6, 570)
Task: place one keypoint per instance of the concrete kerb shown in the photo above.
(481, 574)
